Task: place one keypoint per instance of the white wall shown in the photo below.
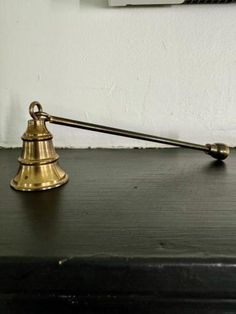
(170, 71)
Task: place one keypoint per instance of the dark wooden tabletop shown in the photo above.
(129, 222)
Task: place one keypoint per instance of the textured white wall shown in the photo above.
(170, 71)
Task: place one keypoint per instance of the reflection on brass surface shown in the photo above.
(39, 169)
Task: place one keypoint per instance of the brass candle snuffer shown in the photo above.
(39, 168)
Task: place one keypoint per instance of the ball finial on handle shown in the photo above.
(218, 151)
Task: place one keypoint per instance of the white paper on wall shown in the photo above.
(142, 2)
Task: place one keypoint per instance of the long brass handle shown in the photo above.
(218, 150)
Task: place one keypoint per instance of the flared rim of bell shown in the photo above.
(35, 188)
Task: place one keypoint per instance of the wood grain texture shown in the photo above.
(141, 230)
(127, 203)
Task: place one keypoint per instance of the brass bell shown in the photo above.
(39, 169)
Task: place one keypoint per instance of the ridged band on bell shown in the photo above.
(39, 168)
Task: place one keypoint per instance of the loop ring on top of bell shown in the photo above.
(32, 107)
(36, 115)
